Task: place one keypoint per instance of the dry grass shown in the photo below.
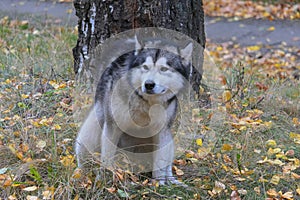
(37, 130)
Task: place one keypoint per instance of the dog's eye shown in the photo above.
(145, 67)
(164, 69)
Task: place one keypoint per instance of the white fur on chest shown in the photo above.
(136, 116)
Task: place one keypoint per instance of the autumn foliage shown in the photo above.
(252, 152)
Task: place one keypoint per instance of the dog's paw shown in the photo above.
(170, 181)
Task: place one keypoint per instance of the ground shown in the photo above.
(248, 142)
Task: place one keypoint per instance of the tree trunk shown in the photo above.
(98, 20)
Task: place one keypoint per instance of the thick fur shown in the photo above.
(135, 106)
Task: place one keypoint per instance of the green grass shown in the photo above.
(37, 130)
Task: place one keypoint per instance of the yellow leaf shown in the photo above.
(63, 85)
(275, 180)
(296, 121)
(226, 96)
(76, 197)
(7, 81)
(12, 148)
(271, 28)
(219, 48)
(77, 173)
(294, 135)
(268, 124)
(54, 84)
(298, 191)
(189, 154)
(24, 96)
(243, 128)
(68, 161)
(281, 155)
(199, 142)
(226, 147)
(253, 48)
(69, 11)
(271, 143)
(56, 127)
(19, 155)
(272, 151)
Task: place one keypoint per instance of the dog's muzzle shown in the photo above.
(150, 87)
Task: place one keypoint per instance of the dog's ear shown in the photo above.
(187, 52)
(138, 45)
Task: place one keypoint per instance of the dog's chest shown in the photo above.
(135, 113)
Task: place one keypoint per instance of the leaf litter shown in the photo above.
(256, 153)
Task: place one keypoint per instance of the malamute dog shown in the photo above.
(135, 106)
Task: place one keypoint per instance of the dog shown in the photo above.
(135, 106)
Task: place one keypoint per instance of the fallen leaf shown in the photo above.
(29, 197)
(219, 187)
(287, 195)
(242, 191)
(235, 196)
(271, 143)
(226, 96)
(253, 48)
(30, 189)
(275, 180)
(41, 144)
(226, 147)
(295, 176)
(77, 173)
(47, 194)
(179, 172)
(257, 190)
(199, 142)
(272, 151)
(111, 190)
(3, 170)
(271, 28)
(56, 127)
(272, 193)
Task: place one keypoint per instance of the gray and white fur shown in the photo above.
(135, 106)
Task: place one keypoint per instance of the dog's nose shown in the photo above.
(149, 85)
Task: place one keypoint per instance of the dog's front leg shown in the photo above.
(163, 158)
(109, 141)
(88, 139)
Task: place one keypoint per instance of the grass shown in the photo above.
(255, 143)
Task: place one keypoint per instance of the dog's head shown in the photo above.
(159, 72)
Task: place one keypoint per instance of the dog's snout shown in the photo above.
(149, 85)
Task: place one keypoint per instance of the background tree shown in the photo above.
(98, 20)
